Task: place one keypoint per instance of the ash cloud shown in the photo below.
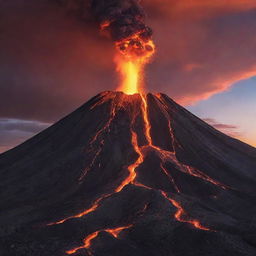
(122, 18)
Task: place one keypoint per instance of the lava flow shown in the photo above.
(181, 212)
(133, 166)
(131, 71)
(111, 153)
(165, 156)
(88, 240)
(173, 155)
(87, 243)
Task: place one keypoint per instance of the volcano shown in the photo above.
(129, 175)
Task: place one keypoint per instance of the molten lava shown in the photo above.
(133, 54)
(133, 166)
(179, 215)
(116, 231)
(88, 240)
(165, 156)
(87, 243)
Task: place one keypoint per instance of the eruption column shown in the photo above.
(130, 75)
(131, 62)
(124, 22)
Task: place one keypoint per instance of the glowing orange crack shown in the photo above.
(105, 96)
(87, 243)
(170, 178)
(144, 109)
(107, 125)
(196, 173)
(132, 174)
(84, 173)
(132, 167)
(129, 180)
(163, 154)
(91, 209)
(116, 231)
(103, 129)
(181, 212)
(173, 155)
(88, 240)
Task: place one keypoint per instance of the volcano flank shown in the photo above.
(128, 175)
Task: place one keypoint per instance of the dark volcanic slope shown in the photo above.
(128, 175)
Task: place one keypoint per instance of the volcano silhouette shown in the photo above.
(129, 175)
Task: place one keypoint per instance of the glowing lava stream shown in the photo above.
(132, 168)
(87, 243)
(104, 128)
(79, 215)
(129, 180)
(132, 174)
(88, 240)
(172, 155)
(181, 212)
(167, 155)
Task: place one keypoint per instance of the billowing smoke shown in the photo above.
(122, 20)
(125, 21)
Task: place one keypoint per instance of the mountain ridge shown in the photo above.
(172, 168)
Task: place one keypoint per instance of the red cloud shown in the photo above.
(203, 47)
(52, 62)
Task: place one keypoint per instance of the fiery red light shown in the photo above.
(133, 54)
(181, 215)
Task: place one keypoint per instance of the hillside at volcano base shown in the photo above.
(129, 175)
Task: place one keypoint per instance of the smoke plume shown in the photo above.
(122, 20)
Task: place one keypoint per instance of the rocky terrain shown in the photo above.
(129, 175)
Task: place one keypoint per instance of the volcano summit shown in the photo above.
(129, 175)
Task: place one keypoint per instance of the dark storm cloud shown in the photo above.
(122, 18)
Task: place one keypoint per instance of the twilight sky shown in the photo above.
(51, 62)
